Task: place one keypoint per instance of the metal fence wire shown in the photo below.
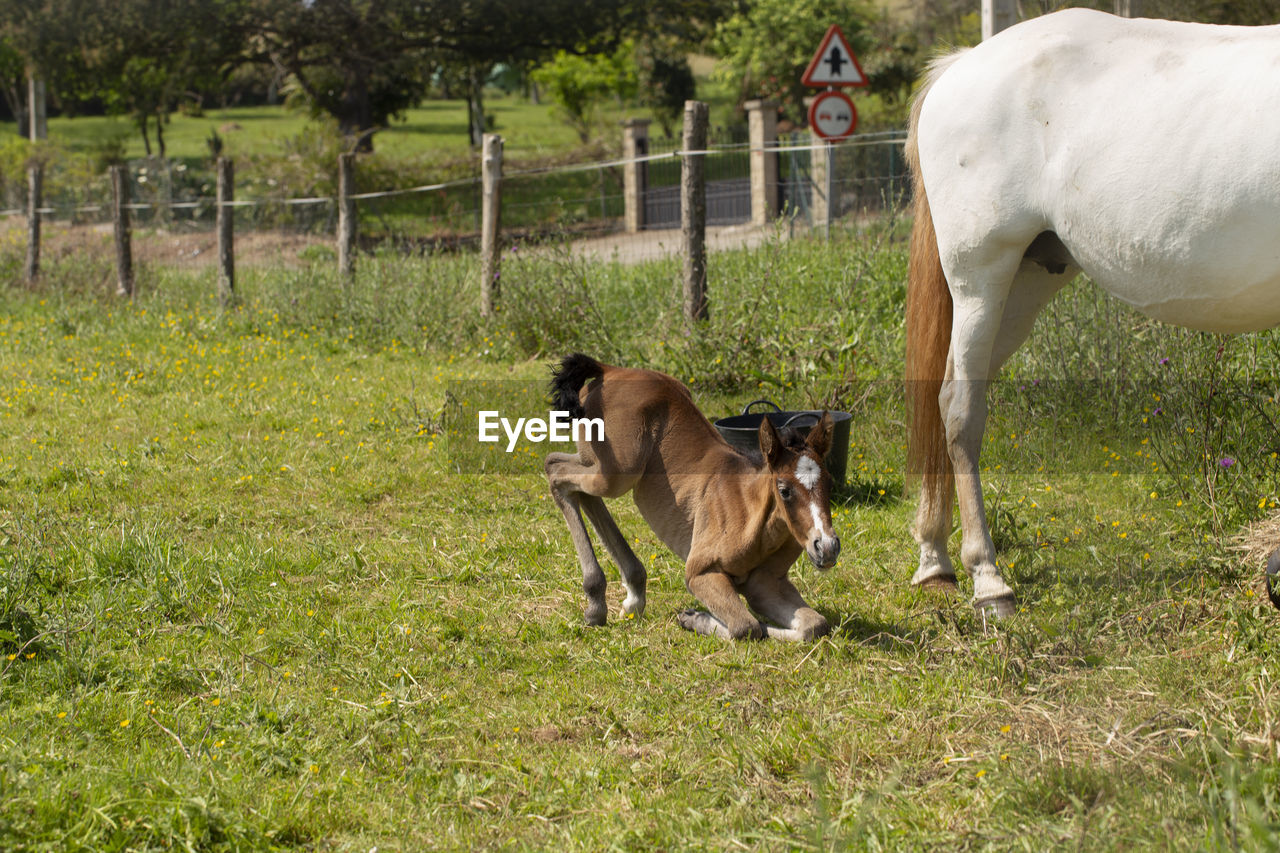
(173, 199)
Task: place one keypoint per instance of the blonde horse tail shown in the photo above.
(928, 326)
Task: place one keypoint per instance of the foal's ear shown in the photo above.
(819, 438)
(770, 443)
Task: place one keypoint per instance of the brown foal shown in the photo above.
(738, 523)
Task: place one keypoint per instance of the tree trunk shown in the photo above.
(356, 122)
(146, 139)
(18, 106)
(160, 131)
(475, 105)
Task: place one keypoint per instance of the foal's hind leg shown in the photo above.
(776, 598)
(634, 576)
(563, 472)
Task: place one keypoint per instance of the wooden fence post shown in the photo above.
(347, 219)
(124, 247)
(35, 198)
(490, 207)
(226, 232)
(693, 209)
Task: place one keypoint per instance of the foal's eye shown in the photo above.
(784, 491)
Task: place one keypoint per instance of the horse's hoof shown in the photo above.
(1273, 578)
(940, 583)
(996, 607)
(595, 616)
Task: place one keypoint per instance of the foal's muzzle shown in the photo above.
(824, 551)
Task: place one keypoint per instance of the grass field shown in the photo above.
(435, 128)
(260, 591)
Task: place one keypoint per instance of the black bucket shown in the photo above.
(743, 432)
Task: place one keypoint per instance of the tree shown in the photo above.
(150, 54)
(360, 61)
(765, 48)
(13, 78)
(578, 84)
(665, 78)
(137, 56)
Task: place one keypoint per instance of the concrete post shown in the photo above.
(762, 130)
(37, 110)
(998, 15)
(635, 176)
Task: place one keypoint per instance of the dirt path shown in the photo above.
(266, 247)
(652, 245)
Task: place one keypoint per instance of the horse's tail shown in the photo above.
(928, 323)
(567, 379)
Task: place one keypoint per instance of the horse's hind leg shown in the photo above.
(634, 576)
(986, 330)
(931, 531)
(563, 473)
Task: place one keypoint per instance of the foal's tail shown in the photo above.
(567, 379)
(928, 324)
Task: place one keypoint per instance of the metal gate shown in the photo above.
(728, 172)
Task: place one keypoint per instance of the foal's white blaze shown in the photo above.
(819, 529)
(808, 472)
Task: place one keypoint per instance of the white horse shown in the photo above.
(1144, 153)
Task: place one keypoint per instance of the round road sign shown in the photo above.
(832, 116)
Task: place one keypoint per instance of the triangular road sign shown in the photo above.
(834, 64)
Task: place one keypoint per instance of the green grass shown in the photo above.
(255, 594)
(433, 129)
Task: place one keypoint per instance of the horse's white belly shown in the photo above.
(1218, 277)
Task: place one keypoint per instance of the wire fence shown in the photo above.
(172, 207)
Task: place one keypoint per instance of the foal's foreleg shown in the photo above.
(562, 468)
(634, 576)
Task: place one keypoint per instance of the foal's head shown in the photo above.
(803, 487)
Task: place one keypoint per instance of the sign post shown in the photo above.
(832, 115)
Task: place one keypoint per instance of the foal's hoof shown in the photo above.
(996, 607)
(692, 620)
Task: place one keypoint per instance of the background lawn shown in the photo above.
(261, 589)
